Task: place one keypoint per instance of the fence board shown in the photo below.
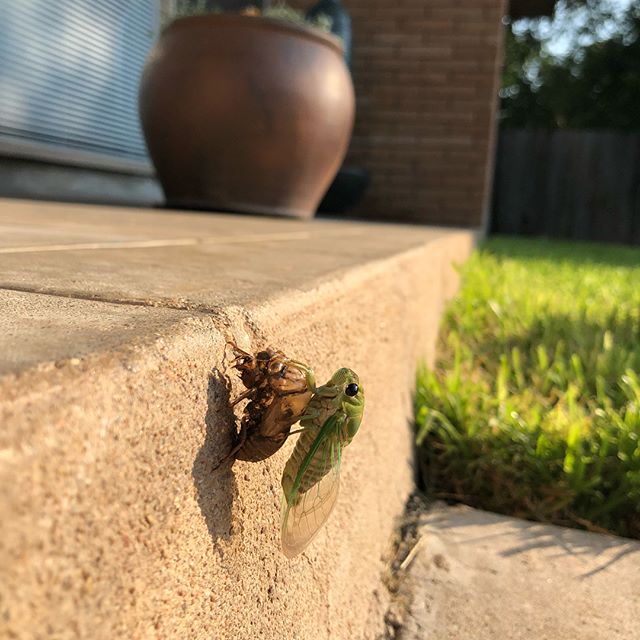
(583, 185)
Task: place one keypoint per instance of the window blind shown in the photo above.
(69, 73)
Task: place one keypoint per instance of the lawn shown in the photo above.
(533, 407)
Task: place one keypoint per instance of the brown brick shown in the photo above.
(426, 77)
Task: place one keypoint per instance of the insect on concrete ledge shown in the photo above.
(278, 390)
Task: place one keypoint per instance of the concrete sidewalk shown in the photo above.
(478, 575)
(114, 521)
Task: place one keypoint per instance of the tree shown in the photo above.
(596, 84)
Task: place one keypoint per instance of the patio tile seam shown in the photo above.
(356, 271)
(131, 302)
(157, 244)
(289, 236)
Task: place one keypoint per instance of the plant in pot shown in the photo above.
(249, 112)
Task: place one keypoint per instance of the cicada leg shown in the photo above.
(249, 393)
(241, 438)
(238, 352)
(306, 421)
(239, 355)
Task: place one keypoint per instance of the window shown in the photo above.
(69, 74)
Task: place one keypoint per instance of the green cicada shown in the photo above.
(312, 474)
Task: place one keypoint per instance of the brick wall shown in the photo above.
(426, 75)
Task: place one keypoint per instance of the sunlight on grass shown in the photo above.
(533, 408)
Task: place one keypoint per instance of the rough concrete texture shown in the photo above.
(42, 328)
(115, 412)
(478, 575)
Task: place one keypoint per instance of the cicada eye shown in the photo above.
(276, 368)
(352, 389)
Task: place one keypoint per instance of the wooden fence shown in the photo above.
(583, 185)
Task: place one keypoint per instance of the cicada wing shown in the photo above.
(305, 513)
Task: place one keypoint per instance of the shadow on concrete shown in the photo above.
(604, 550)
(214, 481)
(577, 334)
(564, 251)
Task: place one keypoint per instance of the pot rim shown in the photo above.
(258, 22)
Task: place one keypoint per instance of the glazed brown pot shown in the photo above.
(246, 114)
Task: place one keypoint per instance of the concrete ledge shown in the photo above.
(481, 576)
(114, 413)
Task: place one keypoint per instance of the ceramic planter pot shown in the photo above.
(246, 114)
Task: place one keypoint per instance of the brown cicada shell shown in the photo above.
(278, 390)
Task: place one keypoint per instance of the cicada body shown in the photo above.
(311, 476)
(279, 390)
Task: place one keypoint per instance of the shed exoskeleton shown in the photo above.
(279, 390)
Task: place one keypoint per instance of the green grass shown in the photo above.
(533, 408)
